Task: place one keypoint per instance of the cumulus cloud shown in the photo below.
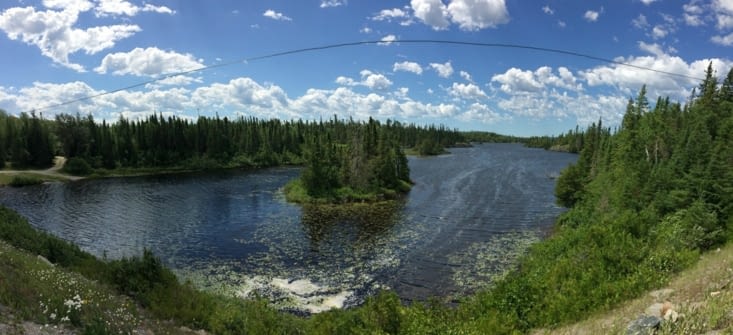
(150, 62)
(693, 13)
(431, 12)
(369, 79)
(122, 7)
(472, 15)
(375, 81)
(276, 15)
(724, 40)
(515, 81)
(466, 76)
(444, 70)
(654, 49)
(627, 79)
(466, 91)
(547, 10)
(407, 67)
(591, 16)
(659, 32)
(180, 80)
(54, 32)
(640, 22)
(387, 40)
(481, 113)
(394, 14)
(648, 2)
(469, 15)
(332, 3)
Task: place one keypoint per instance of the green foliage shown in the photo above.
(370, 165)
(569, 186)
(77, 166)
(24, 180)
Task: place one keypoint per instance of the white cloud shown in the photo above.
(390, 14)
(591, 16)
(627, 79)
(407, 67)
(54, 33)
(547, 10)
(466, 76)
(469, 15)
(481, 113)
(365, 30)
(149, 62)
(122, 7)
(654, 49)
(71, 5)
(723, 13)
(693, 13)
(725, 40)
(387, 40)
(444, 70)
(276, 16)
(431, 12)
(561, 24)
(179, 80)
(401, 93)
(332, 3)
(466, 91)
(374, 81)
(472, 15)
(648, 2)
(659, 32)
(640, 22)
(515, 80)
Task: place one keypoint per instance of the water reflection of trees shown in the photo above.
(349, 225)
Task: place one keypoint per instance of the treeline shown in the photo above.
(490, 137)
(158, 141)
(645, 201)
(572, 141)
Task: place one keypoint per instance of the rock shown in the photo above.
(661, 295)
(654, 310)
(644, 325)
(671, 316)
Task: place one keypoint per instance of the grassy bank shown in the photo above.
(26, 178)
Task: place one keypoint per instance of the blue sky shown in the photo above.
(58, 50)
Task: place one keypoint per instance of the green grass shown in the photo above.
(26, 178)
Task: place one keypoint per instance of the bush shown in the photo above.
(77, 166)
(25, 180)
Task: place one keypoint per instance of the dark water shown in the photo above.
(468, 217)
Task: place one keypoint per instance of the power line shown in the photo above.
(374, 42)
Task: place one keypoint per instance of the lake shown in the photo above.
(469, 216)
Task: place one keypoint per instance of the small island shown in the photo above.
(369, 167)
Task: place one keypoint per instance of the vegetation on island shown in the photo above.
(369, 166)
(645, 201)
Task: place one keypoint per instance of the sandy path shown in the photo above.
(54, 171)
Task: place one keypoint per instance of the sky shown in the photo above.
(55, 51)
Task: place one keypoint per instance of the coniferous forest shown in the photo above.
(345, 160)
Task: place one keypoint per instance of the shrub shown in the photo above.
(25, 180)
(77, 166)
